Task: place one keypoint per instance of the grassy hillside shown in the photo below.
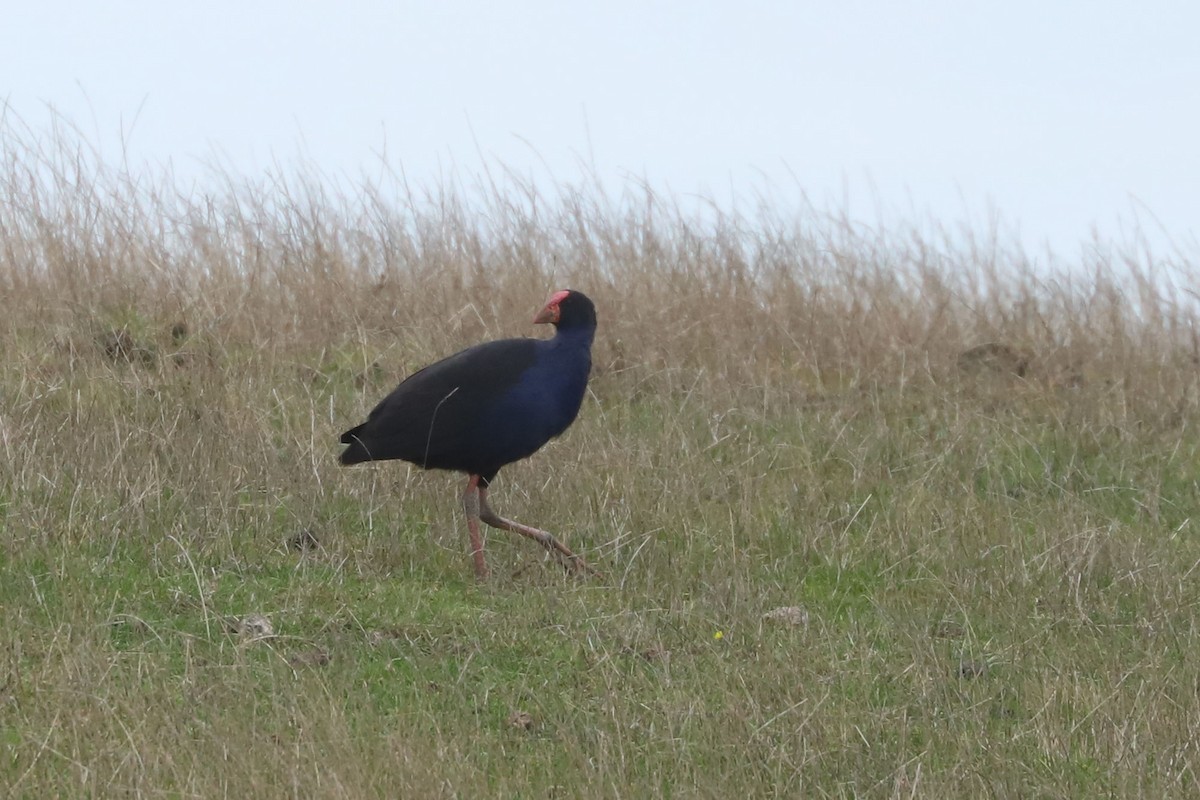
(880, 514)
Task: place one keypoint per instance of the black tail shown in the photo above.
(356, 453)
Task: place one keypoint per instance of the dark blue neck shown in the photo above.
(576, 336)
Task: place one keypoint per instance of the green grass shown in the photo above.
(996, 604)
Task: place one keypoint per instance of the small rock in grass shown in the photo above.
(521, 719)
(315, 657)
(130, 622)
(119, 345)
(647, 654)
(947, 629)
(303, 541)
(971, 669)
(655, 654)
(788, 615)
(252, 626)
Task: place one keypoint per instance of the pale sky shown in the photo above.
(1061, 116)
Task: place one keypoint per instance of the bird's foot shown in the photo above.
(568, 558)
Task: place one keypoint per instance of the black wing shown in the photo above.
(433, 419)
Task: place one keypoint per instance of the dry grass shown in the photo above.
(968, 478)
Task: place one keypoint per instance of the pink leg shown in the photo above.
(545, 539)
(471, 503)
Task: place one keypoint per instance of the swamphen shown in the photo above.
(485, 407)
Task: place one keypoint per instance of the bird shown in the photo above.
(485, 407)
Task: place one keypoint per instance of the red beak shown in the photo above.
(551, 312)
